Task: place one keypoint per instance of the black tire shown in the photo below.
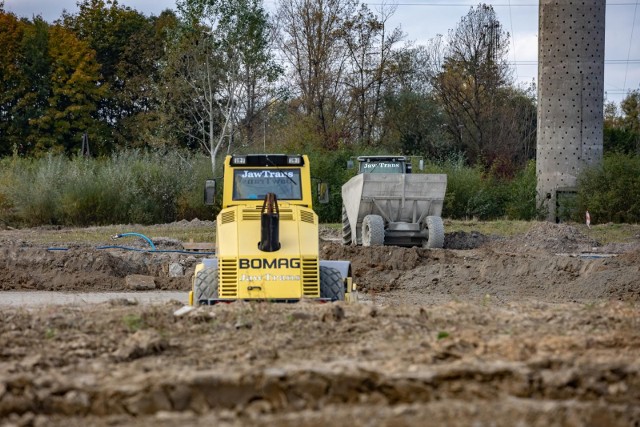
(372, 230)
(205, 285)
(331, 284)
(346, 228)
(435, 227)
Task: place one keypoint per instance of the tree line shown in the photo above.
(222, 76)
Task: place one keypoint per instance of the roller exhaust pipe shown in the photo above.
(270, 224)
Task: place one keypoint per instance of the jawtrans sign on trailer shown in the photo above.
(267, 241)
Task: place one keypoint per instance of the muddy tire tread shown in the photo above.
(206, 284)
(331, 284)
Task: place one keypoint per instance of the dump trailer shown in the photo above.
(267, 241)
(386, 204)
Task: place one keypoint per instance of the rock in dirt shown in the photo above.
(144, 342)
(139, 282)
(176, 269)
(183, 310)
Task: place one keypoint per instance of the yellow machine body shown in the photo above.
(244, 270)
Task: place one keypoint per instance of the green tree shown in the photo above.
(622, 125)
(129, 51)
(138, 94)
(11, 81)
(245, 38)
(74, 93)
(35, 66)
(630, 106)
(472, 80)
(371, 49)
(107, 27)
(414, 125)
(190, 95)
(220, 68)
(311, 38)
(414, 120)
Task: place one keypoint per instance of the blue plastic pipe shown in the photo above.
(153, 247)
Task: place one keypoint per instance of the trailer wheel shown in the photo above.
(346, 227)
(331, 284)
(205, 285)
(435, 228)
(372, 230)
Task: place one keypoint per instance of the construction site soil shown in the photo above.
(541, 329)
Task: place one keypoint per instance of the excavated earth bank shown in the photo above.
(538, 330)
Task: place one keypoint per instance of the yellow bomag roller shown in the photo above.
(267, 239)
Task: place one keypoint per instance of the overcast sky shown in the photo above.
(421, 20)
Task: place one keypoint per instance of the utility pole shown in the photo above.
(84, 151)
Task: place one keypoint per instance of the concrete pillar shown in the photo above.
(570, 95)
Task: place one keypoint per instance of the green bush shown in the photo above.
(128, 187)
(611, 192)
(463, 184)
(469, 193)
(521, 203)
(87, 196)
(472, 193)
(155, 187)
(35, 190)
(332, 169)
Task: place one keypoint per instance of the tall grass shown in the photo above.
(128, 187)
(158, 187)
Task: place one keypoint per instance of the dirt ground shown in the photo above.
(542, 329)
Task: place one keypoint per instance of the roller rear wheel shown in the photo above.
(205, 285)
(331, 284)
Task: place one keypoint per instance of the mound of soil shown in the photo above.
(86, 269)
(522, 267)
(487, 331)
(266, 364)
(550, 237)
(422, 276)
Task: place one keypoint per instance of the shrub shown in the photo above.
(128, 187)
(611, 192)
(190, 202)
(330, 168)
(35, 190)
(152, 187)
(470, 194)
(473, 193)
(521, 203)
